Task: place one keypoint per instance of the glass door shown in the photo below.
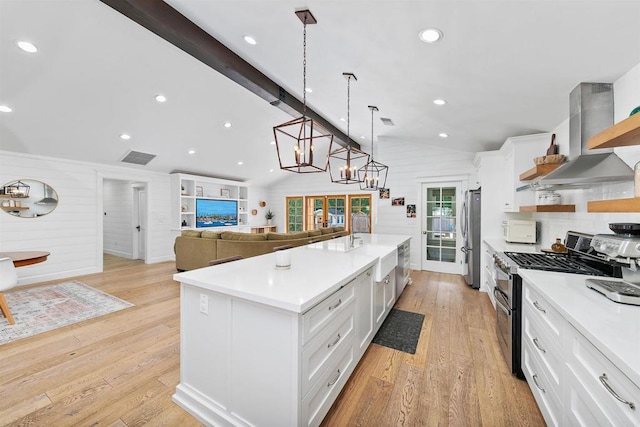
(325, 211)
(294, 214)
(440, 229)
(360, 207)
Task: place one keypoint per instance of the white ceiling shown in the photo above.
(505, 67)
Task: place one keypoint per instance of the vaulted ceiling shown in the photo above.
(504, 67)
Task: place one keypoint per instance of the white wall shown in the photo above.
(73, 231)
(409, 165)
(118, 211)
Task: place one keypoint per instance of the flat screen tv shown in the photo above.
(216, 213)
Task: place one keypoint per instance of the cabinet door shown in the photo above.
(379, 307)
(389, 291)
(364, 310)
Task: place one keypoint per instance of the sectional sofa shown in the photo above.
(194, 248)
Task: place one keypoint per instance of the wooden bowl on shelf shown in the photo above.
(550, 159)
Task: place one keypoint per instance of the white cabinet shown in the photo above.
(597, 392)
(187, 189)
(383, 298)
(244, 363)
(518, 153)
(572, 382)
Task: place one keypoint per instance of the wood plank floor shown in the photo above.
(121, 369)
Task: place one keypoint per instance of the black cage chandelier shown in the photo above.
(345, 161)
(303, 146)
(373, 175)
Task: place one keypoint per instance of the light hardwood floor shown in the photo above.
(121, 369)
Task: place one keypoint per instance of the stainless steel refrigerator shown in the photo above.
(471, 236)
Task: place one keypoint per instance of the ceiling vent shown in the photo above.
(387, 121)
(137, 157)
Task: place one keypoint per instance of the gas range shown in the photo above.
(580, 258)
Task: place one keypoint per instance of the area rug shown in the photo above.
(400, 331)
(41, 309)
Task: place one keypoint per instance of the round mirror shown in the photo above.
(28, 198)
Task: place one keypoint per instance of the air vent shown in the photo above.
(137, 158)
(387, 121)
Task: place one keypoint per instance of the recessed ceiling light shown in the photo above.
(430, 35)
(361, 136)
(250, 40)
(240, 163)
(273, 143)
(227, 124)
(270, 170)
(443, 135)
(342, 119)
(192, 151)
(308, 90)
(5, 109)
(27, 47)
(439, 101)
(161, 98)
(125, 136)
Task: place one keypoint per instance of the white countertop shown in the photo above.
(498, 244)
(613, 328)
(317, 270)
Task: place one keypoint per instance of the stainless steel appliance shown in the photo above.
(622, 248)
(470, 227)
(581, 258)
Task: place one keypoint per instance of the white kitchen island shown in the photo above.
(268, 347)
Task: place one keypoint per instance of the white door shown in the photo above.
(441, 236)
(140, 223)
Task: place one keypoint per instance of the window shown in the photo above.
(294, 214)
(360, 209)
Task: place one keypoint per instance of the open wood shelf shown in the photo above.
(617, 205)
(624, 133)
(15, 208)
(548, 208)
(539, 170)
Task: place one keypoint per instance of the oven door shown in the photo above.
(504, 326)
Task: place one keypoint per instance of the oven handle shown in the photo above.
(499, 295)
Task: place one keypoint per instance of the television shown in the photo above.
(216, 213)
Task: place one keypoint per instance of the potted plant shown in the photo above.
(269, 216)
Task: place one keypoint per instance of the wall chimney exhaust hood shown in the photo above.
(591, 111)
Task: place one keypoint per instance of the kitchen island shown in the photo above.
(262, 346)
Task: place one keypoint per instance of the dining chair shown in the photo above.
(8, 280)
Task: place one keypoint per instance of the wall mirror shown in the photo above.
(28, 198)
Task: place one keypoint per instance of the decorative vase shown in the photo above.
(269, 222)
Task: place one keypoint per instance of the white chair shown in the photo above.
(8, 279)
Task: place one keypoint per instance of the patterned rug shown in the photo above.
(41, 309)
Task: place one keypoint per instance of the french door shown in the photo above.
(441, 235)
(325, 211)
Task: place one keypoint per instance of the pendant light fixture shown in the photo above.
(373, 175)
(345, 161)
(303, 146)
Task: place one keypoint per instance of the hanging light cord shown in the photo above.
(304, 67)
(372, 110)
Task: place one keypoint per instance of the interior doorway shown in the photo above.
(124, 218)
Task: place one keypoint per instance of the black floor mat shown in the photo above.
(400, 331)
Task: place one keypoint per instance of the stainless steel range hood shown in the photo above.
(50, 196)
(591, 111)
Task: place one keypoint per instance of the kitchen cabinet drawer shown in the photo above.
(314, 320)
(601, 381)
(317, 403)
(320, 352)
(548, 318)
(548, 401)
(548, 352)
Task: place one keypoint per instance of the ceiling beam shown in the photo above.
(166, 22)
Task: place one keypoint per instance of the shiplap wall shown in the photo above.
(118, 223)
(409, 164)
(73, 231)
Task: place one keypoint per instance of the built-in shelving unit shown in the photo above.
(187, 188)
(622, 134)
(548, 208)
